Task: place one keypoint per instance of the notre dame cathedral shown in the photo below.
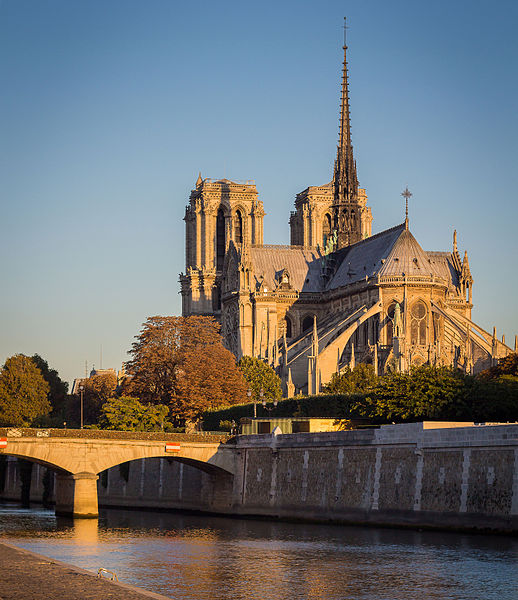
(337, 295)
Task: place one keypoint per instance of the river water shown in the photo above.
(192, 557)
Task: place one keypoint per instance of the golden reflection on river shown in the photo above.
(189, 557)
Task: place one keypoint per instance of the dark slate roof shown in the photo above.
(302, 264)
(393, 252)
(364, 258)
(443, 263)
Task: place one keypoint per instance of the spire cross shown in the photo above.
(345, 31)
(406, 195)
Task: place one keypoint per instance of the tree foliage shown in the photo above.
(181, 362)
(508, 365)
(128, 414)
(97, 389)
(58, 390)
(259, 375)
(23, 392)
(426, 392)
(360, 379)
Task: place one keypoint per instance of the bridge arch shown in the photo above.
(78, 461)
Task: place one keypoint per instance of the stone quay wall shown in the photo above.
(428, 474)
(417, 474)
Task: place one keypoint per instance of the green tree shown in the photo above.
(181, 362)
(128, 414)
(426, 392)
(358, 380)
(23, 392)
(259, 375)
(58, 393)
(508, 365)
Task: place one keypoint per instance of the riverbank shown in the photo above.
(28, 576)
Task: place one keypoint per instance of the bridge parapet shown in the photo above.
(80, 455)
(108, 434)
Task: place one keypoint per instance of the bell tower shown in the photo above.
(219, 211)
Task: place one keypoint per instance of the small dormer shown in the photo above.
(283, 279)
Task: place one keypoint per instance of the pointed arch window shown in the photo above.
(288, 327)
(390, 323)
(418, 314)
(307, 323)
(220, 239)
(326, 228)
(238, 228)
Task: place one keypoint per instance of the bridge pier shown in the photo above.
(76, 496)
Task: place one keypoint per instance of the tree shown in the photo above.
(259, 375)
(23, 392)
(209, 378)
(508, 365)
(97, 389)
(426, 392)
(181, 362)
(128, 414)
(360, 379)
(57, 393)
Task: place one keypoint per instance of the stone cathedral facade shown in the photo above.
(337, 295)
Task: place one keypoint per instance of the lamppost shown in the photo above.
(264, 403)
(81, 390)
(249, 394)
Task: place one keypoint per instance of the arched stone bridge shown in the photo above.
(80, 455)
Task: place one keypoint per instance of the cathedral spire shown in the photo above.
(345, 180)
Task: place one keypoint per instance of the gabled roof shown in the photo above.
(302, 264)
(393, 252)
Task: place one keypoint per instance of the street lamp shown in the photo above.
(275, 402)
(249, 394)
(81, 390)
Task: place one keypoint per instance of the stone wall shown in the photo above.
(419, 474)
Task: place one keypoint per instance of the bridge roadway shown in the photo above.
(79, 455)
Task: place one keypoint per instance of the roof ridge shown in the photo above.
(377, 235)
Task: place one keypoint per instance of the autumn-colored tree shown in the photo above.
(97, 389)
(181, 362)
(360, 379)
(128, 414)
(208, 378)
(23, 392)
(260, 376)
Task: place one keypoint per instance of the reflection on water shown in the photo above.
(198, 557)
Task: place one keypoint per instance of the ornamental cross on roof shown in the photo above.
(406, 195)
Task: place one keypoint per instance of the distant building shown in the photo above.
(120, 375)
(337, 295)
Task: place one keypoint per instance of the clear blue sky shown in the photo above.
(109, 108)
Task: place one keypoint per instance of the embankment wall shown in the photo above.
(418, 474)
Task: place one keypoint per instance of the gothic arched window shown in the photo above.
(220, 240)
(418, 314)
(288, 327)
(238, 228)
(307, 323)
(390, 323)
(326, 228)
